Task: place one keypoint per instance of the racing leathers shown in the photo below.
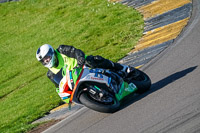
(71, 57)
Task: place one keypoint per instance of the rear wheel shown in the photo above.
(108, 104)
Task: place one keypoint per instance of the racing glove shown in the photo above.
(80, 61)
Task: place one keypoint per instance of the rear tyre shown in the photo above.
(91, 103)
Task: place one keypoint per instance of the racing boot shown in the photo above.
(128, 72)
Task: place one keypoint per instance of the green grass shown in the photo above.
(95, 26)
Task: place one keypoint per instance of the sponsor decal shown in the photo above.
(131, 87)
(61, 84)
(65, 59)
(98, 72)
(62, 95)
(76, 73)
(94, 78)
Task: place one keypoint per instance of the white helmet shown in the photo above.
(45, 55)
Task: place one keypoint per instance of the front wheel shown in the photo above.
(109, 106)
(142, 81)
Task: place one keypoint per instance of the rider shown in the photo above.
(55, 59)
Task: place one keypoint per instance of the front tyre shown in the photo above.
(91, 103)
(142, 81)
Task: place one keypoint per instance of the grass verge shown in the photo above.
(95, 26)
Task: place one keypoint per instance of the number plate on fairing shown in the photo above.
(94, 75)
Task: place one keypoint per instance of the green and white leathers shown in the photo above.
(63, 60)
(68, 63)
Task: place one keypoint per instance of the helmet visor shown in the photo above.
(47, 58)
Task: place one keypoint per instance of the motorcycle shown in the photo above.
(100, 89)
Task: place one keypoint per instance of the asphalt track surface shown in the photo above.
(173, 103)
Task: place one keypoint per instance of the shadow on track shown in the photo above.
(156, 86)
